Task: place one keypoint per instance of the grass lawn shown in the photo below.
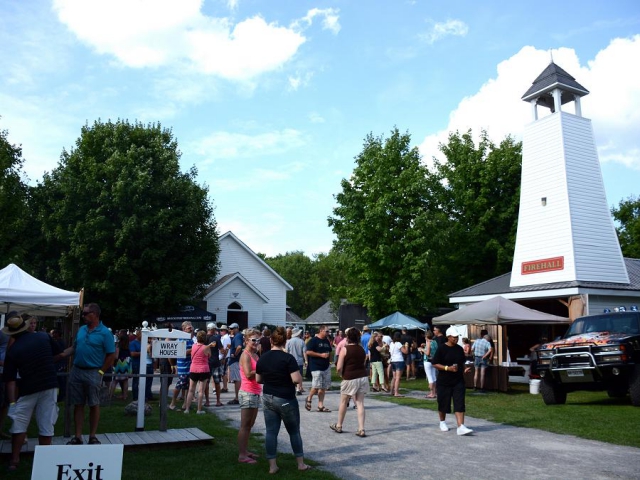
(591, 415)
(217, 460)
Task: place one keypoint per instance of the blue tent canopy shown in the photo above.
(399, 320)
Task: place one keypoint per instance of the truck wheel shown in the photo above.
(552, 393)
(634, 386)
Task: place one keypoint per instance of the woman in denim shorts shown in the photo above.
(249, 395)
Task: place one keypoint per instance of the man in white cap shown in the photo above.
(449, 360)
(225, 340)
(295, 347)
(31, 359)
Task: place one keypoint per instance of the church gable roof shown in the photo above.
(264, 264)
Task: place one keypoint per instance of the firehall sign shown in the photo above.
(545, 265)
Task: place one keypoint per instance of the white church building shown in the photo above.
(247, 291)
(567, 258)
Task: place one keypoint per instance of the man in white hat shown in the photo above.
(32, 356)
(225, 340)
(295, 347)
(449, 360)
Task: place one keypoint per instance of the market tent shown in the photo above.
(497, 311)
(399, 320)
(26, 294)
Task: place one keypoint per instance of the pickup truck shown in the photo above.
(598, 352)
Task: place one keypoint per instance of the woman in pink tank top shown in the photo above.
(199, 371)
(249, 395)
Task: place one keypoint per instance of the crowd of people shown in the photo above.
(265, 367)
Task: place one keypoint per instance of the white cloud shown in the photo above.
(299, 80)
(445, 29)
(330, 19)
(315, 117)
(227, 145)
(256, 179)
(613, 104)
(152, 33)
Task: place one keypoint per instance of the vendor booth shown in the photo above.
(495, 315)
(26, 294)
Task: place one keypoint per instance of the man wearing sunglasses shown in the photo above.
(94, 351)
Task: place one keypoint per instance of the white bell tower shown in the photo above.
(565, 229)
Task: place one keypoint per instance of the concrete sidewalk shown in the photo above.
(406, 443)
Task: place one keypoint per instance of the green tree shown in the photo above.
(474, 198)
(132, 229)
(297, 269)
(379, 223)
(628, 216)
(13, 203)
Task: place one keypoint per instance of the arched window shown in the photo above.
(234, 306)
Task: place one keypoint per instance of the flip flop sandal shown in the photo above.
(307, 404)
(335, 428)
(360, 433)
(247, 460)
(75, 441)
(94, 441)
(324, 410)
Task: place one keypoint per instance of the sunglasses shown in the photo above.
(254, 340)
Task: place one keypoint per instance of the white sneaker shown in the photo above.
(462, 430)
(443, 427)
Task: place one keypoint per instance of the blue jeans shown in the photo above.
(278, 409)
(147, 388)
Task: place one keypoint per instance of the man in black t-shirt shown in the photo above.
(318, 352)
(449, 359)
(31, 355)
(214, 342)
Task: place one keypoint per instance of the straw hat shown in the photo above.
(15, 324)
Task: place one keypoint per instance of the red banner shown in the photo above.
(546, 265)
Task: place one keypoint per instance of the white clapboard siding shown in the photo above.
(236, 257)
(560, 163)
(238, 291)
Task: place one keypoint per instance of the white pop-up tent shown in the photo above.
(26, 294)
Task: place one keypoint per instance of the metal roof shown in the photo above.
(500, 285)
(554, 77)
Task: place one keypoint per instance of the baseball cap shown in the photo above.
(452, 332)
(234, 325)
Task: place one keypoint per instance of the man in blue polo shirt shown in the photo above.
(94, 353)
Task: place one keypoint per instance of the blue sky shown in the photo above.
(271, 100)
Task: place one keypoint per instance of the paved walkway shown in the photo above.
(406, 443)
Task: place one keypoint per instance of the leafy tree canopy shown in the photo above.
(13, 203)
(628, 216)
(380, 223)
(414, 235)
(122, 221)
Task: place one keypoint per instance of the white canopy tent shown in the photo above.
(26, 294)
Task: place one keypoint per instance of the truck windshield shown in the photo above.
(613, 323)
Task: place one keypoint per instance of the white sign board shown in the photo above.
(77, 462)
(169, 349)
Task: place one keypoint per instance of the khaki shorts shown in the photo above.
(355, 386)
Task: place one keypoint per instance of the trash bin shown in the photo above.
(534, 386)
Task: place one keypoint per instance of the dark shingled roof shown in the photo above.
(553, 76)
(500, 285)
(219, 282)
